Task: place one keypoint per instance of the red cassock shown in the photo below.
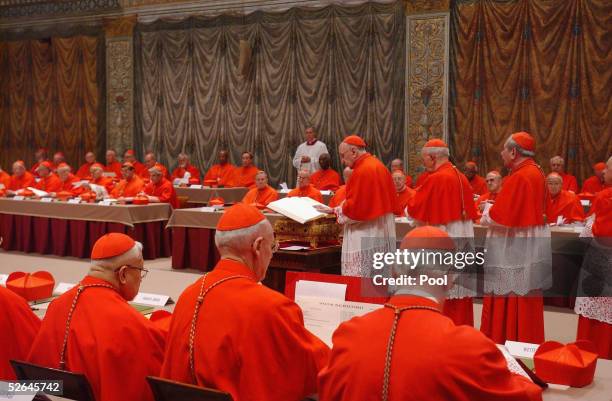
(221, 174)
(139, 168)
(114, 167)
(602, 208)
(486, 197)
(421, 179)
(164, 191)
(18, 327)
(325, 180)
(34, 168)
(5, 179)
(402, 200)
(432, 359)
(260, 197)
(479, 185)
(339, 196)
(592, 185)
(370, 193)
(22, 182)
(309, 192)
(520, 203)
(250, 341)
(569, 182)
(243, 177)
(50, 183)
(565, 204)
(68, 185)
(128, 189)
(106, 182)
(83, 171)
(438, 199)
(110, 342)
(179, 172)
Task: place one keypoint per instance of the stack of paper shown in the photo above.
(298, 209)
(38, 192)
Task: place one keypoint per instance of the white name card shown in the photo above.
(195, 186)
(19, 197)
(521, 350)
(3, 278)
(207, 209)
(107, 203)
(144, 298)
(74, 200)
(62, 288)
(48, 200)
(326, 192)
(585, 202)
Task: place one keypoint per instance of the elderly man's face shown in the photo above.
(348, 155)
(63, 174)
(310, 134)
(556, 165)
(324, 161)
(18, 169)
(58, 158)
(396, 165)
(156, 177)
(554, 185)
(130, 278)
(508, 155)
(429, 162)
(127, 172)
(90, 157)
(261, 181)
(149, 160)
(182, 162)
(223, 157)
(44, 172)
(303, 179)
(246, 159)
(110, 156)
(399, 180)
(96, 173)
(470, 171)
(128, 157)
(493, 182)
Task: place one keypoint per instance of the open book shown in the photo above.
(297, 208)
(38, 192)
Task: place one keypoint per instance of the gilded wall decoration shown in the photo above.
(426, 84)
(426, 6)
(120, 93)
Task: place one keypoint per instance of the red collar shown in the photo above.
(412, 300)
(311, 143)
(234, 267)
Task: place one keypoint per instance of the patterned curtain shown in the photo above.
(51, 97)
(340, 69)
(540, 66)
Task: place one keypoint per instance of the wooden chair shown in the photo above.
(183, 201)
(75, 385)
(168, 390)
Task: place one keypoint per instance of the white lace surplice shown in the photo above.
(518, 259)
(362, 239)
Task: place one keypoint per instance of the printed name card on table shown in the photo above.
(585, 202)
(326, 192)
(19, 197)
(74, 200)
(144, 298)
(108, 202)
(195, 186)
(48, 200)
(521, 350)
(62, 288)
(3, 278)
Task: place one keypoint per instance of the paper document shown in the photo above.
(80, 183)
(294, 248)
(322, 316)
(3, 278)
(318, 289)
(99, 190)
(299, 209)
(144, 298)
(521, 350)
(326, 192)
(585, 202)
(62, 288)
(38, 192)
(513, 365)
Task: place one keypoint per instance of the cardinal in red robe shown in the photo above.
(84, 172)
(220, 174)
(326, 178)
(131, 184)
(91, 329)
(244, 176)
(130, 157)
(68, 180)
(112, 164)
(340, 194)
(561, 203)
(494, 184)
(185, 167)
(18, 327)
(240, 326)
(478, 184)
(262, 194)
(398, 165)
(408, 350)
(304, 188)
(159, 189)
(21, 178)
(48, 181)
(404, 193)
(595, 183)
(557, 165)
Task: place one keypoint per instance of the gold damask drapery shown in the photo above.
(338, 68)
(540, 66)
(50, 96)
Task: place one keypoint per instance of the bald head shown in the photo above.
(223, 157)
(18, 169)
(150, 160)
(350, 153)
(111, 156)
(470, 170)
(90, 157)
(183, 160)
(397, 164)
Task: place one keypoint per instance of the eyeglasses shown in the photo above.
(143, 271)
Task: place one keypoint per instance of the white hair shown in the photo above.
(241, 239)
(609, 160)
(436, 151)
(65, 168)
(552, 159)
(154, 170)
(135, 253)
(183, 156)
(511, 144)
